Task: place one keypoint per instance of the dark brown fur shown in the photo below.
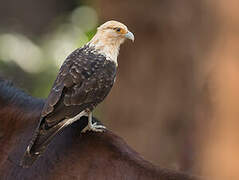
(71, 155)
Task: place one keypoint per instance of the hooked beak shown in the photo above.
(129, 35)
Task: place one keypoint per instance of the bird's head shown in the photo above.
(109, 37)
(114, 31)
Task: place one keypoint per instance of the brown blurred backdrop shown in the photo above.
(175, 99)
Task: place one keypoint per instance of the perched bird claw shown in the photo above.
(96, 127)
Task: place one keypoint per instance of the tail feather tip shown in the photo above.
(28, 159)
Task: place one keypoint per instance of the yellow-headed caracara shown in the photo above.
(84, 80)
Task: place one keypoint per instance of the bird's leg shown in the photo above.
(93, 126)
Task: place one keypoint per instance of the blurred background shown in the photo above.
(176, 97)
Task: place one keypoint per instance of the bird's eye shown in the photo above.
(118, 29)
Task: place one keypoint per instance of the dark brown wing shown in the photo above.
(84, 80)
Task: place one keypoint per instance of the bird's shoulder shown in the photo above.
(79, 65)
(82, 64)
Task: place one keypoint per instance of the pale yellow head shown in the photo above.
(109, 37)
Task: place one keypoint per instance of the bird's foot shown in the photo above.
(95, 126)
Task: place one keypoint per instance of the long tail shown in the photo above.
(41, 140)
(38, 144)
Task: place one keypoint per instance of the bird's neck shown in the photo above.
(106, 46)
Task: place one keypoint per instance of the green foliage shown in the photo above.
(91, 33)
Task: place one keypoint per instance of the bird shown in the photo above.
(84, 80)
